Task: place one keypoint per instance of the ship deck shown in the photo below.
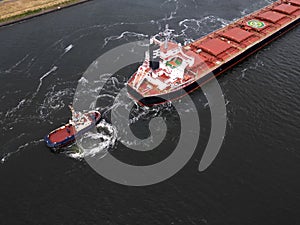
(62, 133)
(220, 47)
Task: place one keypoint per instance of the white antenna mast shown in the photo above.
(167, 34)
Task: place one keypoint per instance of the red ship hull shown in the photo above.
(67, 134)
(278, 18)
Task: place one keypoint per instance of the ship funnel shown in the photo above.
(154, 53)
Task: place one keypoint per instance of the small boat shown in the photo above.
(77, 126)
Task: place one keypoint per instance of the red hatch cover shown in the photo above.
(215, 46)
(272, 16)
(285, 8)
(296, 2)
(237, 34)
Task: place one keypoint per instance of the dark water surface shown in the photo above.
(254, 179)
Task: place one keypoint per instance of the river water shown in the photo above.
(253, 180)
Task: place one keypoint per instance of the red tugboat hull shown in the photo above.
(67, 134)
(223, 49)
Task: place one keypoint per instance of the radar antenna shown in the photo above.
(167, 35)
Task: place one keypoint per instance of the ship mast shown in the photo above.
(154, 48)
(167, 34)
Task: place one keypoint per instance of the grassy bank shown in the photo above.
(12, 10)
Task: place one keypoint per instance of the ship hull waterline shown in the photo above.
(172, 96)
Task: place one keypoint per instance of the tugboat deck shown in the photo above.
(62, 133)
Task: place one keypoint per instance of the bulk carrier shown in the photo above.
(171, 71)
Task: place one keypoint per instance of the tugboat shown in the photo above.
(66, 135)
(171, 70)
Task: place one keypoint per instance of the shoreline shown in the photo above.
(39, 12)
